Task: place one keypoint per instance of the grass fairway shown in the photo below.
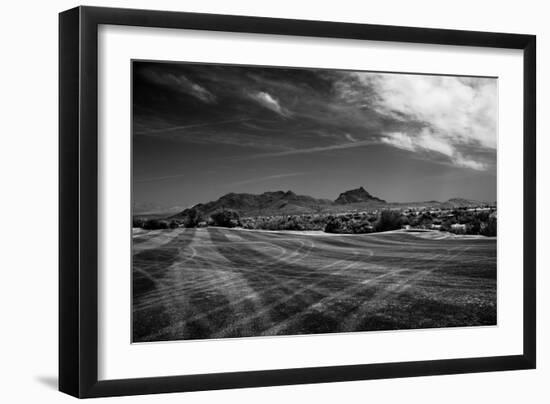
(217, 283)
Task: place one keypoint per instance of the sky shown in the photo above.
(201, 131)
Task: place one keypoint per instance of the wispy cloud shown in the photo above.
(399, 140)
(461, 161)
(182, 84)
(248, 181)
(192, 126)
(319, 149)
(426, 141)
(266, 178)
(268, 101)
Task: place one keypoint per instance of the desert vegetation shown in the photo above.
(155, 224)
(225, 218)
(471, 221)
(286, 222)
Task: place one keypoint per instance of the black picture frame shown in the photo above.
(78, 203)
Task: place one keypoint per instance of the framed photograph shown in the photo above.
(251, 201)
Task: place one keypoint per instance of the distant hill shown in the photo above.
(268, 203)
(452, 203)
(356, 196)
(288, 203)
(147, 209)
(462, 203)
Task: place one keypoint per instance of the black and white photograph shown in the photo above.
(275, 201)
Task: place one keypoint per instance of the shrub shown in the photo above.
(286, 222)
(490, 228)
(173, 224)
(388, 220)
(334, 225)
(361, 228)
(193, 218)
(446, 225)
(292, 223)
(155, 224)
(357, 224)
(225, 218)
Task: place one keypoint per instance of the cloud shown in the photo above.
(316, 149)
(399, 140)
(464, 162)
(191, 126)
(442, 114)
(429, 141)
(181, 83)
(269, 102)
(426, 141)
(462, 110)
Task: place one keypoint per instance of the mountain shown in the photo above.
(268, 203)
(288, 203)
(356, 196)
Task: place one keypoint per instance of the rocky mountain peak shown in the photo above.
(356, 195)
